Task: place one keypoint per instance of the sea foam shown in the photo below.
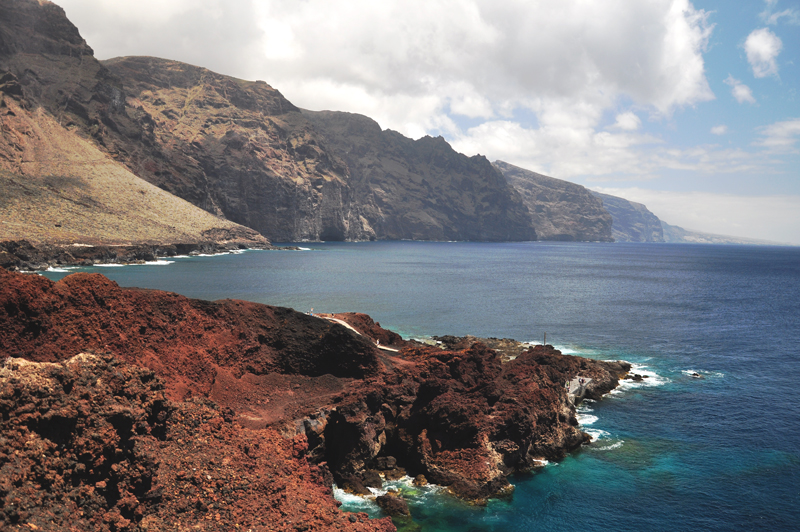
(651, 379)
(702, 373)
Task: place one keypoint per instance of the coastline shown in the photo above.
(22, 255)
(456, 417)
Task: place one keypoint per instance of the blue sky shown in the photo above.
(688, 107)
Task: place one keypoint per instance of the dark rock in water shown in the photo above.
(464, 419)
(24, 256)
(393, 504)
(420, 480)
(353, 484)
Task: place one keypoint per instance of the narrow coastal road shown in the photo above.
(342, 322)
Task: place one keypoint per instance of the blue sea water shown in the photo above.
(674, 452)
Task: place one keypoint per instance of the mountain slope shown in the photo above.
(559, 210)
(57, 187)
(233, 147)
(236, 149)
(422, 189)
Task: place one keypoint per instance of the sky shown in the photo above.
(691, 108)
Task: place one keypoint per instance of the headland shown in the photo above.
(129, 409)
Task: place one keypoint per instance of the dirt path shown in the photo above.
(342, 322)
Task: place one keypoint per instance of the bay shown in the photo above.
(674, 452)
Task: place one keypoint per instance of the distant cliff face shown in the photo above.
(241, 151)
(559, 210)
(422, 189)
(632, 221)
(236, 149)
(233, 147)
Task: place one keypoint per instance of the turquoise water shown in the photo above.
(673, 453)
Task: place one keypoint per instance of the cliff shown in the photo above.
(233, 147)
(236, 149)
(559, 210)
(56, 186)
(632, 221)
(240, 150)
(460, 417)
(422, 189)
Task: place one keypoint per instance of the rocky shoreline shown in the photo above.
(184, 412)
(22, 255)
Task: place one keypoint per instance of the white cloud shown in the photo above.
(216, 34)
(627, 122)
(719, 130)
(792, 15)
(762, 48)
(780, 136)
(570, 60)
(775, 218)
(740, 91)
(561, 150)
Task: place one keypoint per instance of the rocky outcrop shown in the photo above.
(632, 221)
(461, 418)
(91, 443)
(24, 256)
(559, 210)
(223, 350)
(422, 189)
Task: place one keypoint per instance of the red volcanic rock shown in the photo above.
(325, 394)
(70, 456)
(92, 444)
(462, 418)
(189, 342)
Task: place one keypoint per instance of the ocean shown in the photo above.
(673, 452)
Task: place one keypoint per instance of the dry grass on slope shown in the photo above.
(57, 188)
